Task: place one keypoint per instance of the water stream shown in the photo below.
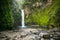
(23, 23)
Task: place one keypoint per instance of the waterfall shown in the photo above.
(22, 13)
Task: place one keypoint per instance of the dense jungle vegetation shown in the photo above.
(43, 12)
(6, 17)
(37, 12)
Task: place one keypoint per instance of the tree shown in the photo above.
(6, 17)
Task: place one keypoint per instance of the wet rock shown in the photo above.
(56, 37)
(44, 34)
(17, 37)
(55, 33)
(8, 39)
(35, 32)
(3, 39)
(2, 35)
(24, 34)
(32, 37)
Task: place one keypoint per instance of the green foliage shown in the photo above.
(6, 18)
(57, 20)
(46, 16)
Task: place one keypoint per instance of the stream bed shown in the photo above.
(29, 34)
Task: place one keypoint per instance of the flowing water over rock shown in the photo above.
(22, 13)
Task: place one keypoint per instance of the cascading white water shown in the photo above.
(18, 4)
(22, 13)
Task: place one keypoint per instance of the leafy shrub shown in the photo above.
(6, 18)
